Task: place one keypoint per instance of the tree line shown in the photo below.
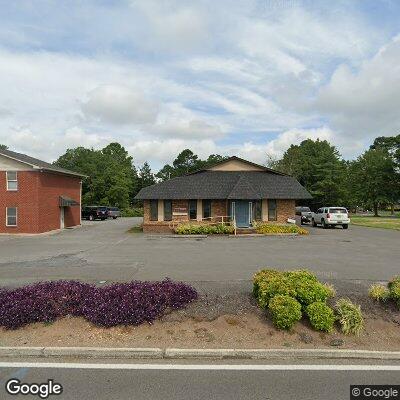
(372, 180)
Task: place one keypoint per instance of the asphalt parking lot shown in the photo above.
(105, 251)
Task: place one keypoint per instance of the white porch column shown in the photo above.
(199, 210)
(264, 208)
(160, 210)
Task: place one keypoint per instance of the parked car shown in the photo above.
(94, 212)
(305, 214)
(331, 216)
(114, 212)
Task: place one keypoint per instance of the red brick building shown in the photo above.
(36, 196)
(234, 189)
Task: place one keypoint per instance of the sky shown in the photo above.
(244, 77)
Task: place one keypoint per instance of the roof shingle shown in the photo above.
(243, 185)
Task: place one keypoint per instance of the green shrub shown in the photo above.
(263, 275)
(272, 228)
(311, 292)
(349, 316)
(132, 212)
(300, 276)
(394, 289)
(378, 292)
(203, 229)
(321, 316)
(275, 285)
(285, 311)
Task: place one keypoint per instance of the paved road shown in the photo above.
(105, 251)
(227, 381)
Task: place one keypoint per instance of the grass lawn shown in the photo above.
(376, 222)
(136, 229)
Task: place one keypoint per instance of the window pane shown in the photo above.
(12, 185)
(11, 176)
(11, 216)
(167, 210)
(257, 210)
(272, 210)
(206, 208)
(192, 209)
(153, 210)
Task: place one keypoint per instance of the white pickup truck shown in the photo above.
(331, 216)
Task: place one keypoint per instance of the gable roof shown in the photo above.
(37, 164)
(241, 160)
(245, 185)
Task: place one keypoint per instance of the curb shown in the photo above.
(171, 353)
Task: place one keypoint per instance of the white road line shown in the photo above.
(213, 367)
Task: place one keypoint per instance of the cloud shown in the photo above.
(171, 26)
(364, 102)
(120, 105)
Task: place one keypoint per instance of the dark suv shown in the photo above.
(305, 214)
(94, 212)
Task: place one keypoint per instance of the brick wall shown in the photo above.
(26, 201)
(218, 208)
(50, 188)
(180, 205)
(37, 201)
(285, 210)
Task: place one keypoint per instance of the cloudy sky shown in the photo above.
(244, 77)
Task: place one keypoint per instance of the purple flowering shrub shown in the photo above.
(121, 303)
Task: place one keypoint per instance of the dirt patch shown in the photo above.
(228, 331)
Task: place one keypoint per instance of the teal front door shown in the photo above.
(242, 213)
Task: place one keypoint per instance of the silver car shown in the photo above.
(114, 212)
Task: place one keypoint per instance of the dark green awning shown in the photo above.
(65, 201)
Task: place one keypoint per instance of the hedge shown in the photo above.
(203, 229)
(277, 229)
(122, 303)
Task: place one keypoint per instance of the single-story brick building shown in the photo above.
(233, 189)
(36, 196)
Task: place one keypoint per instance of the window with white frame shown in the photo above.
(12, 180)
(11, 216)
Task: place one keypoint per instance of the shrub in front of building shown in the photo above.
(204, 229)
(124, 303)
(278, 229)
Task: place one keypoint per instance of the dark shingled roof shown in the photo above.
(245, 185)
(37, 164)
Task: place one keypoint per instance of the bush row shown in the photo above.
(203, 229)
(279, 229)
(390, 292)
(289, 294)
(121, 303)
(132, 212)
